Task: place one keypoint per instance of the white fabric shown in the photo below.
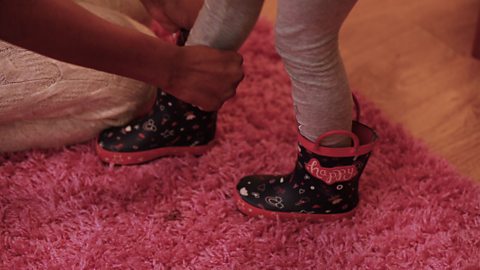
(46, 103)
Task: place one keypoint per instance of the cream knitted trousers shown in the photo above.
(47, 103)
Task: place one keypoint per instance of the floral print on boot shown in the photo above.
(323, 185)
(172, 127)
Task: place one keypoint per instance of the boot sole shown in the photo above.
(253, 211)
(134, 158)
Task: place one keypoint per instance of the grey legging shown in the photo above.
(307, 39)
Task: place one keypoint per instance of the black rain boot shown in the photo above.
(172, 127)
(323, 185)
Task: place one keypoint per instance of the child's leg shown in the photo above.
(307, 39)
(225, 24)
(325, 181)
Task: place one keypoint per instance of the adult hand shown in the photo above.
(174, 14)
(205, 77)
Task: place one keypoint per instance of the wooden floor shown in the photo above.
(412, 58)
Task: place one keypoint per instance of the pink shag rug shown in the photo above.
(66, 210)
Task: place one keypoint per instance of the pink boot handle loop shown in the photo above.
(357, 107)
(356, 141)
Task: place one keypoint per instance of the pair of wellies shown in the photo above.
(323, 185)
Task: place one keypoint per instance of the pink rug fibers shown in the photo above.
(66, 210)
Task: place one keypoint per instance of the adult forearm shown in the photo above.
(65, 31)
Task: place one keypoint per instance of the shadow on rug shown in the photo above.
(65, 209)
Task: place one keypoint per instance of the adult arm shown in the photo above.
(65, 31)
